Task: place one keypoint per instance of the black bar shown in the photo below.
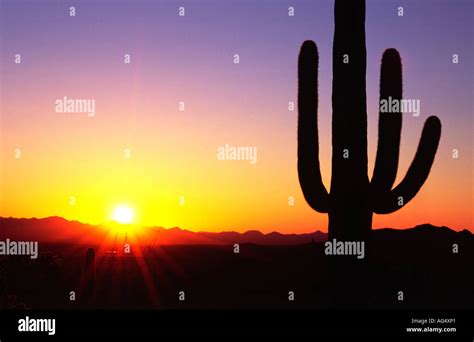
(239, 323)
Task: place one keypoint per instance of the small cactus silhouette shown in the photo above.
(353, 199)
(88, 277)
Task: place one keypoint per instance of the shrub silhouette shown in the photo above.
(353, 199)
(88, 277)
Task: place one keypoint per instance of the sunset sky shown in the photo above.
(174, 153)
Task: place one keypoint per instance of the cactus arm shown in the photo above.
(390, 125)
(309, 172)
(417, 172)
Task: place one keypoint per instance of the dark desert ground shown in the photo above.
(418, 261)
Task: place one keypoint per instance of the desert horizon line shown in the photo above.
(246, 230)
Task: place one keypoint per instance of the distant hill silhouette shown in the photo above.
(59, 230)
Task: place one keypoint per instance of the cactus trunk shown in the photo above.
(88, 277)
(349, 125)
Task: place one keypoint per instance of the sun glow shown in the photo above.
(123, 215)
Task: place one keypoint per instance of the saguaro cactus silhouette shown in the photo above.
(88, 277)
(353, 199)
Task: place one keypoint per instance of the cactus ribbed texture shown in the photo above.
(353, 199)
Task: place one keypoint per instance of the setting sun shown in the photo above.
(123, 215)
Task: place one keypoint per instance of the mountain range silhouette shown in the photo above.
(59, 230)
